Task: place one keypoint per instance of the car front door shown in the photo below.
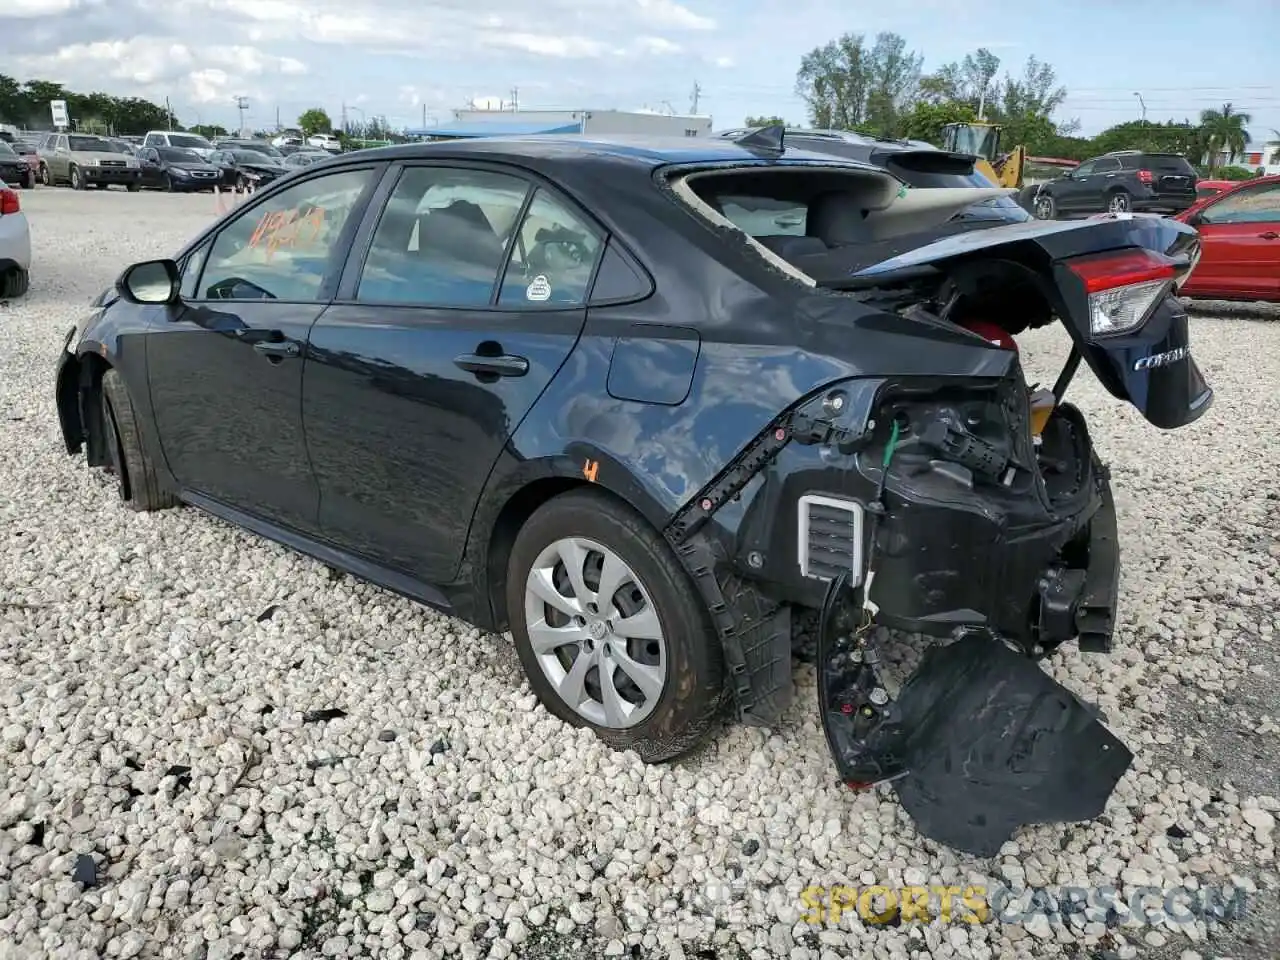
(225, 368)
(1071, 195)
(152, 170)
(1240, 245)
(59, 161)
(471, 297)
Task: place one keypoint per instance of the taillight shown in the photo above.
(9, 201)
(1145, 176)
(1122, 287)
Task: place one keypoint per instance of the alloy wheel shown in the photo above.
(1044, 208)
(1119, 203)
(595, 633)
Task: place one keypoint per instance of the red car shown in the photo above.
(1240, 242)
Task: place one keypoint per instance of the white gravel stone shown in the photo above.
(149, 717)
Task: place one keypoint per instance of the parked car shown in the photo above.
(325, 141)
(289, 138)
(917, 164)
(304, 158)
(122, 146)
(184, 141)
(550, 384)
(242, 168)
(14, 168)
(257, 146)
(31, 157)
(176, 170)
(84, 161)
(15, 245)
(1239, 242)
(1127, 180)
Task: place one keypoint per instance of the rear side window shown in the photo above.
(1106, 165)
(1168, 163)
(442, 238)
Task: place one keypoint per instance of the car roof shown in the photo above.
(563, 149)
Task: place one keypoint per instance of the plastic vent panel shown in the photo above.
(830, 538)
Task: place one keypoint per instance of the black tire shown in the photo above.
(241, 184)
(133, 187)
(31, 179)
(1119, 201)
(1046, 208)
(45, 178)
(168, 183)
(134, 468)
(694, 683)
(14, 283)
(77, 181)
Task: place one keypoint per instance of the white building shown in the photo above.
(489, 123)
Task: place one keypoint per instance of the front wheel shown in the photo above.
(14, 283)
(77, 181)
(31, 180)
(1118, 202)
(1046, 208)
(44, 176)
(609, 628)
(134, 187)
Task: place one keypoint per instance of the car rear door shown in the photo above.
(464, 295)
(225, 367)
(1240, 245)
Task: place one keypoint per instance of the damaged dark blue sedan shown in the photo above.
(643, 402)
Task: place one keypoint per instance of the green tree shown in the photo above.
(764, 122)
(969, 81)
(850, 85)
(1225, 131)
(315, 121)
(926, 119)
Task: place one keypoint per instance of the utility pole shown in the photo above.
(344, 116)
(277, 118)
(424, 116)
(242, 104)
(168, 113)
(515, 99)
(693, 101)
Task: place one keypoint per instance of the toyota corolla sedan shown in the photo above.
(641, 402)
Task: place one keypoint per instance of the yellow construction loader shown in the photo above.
(982, 140)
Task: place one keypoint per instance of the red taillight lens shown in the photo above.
(1145, 176)
(1106, 271)
(9, 201)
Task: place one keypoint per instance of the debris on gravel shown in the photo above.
(213, 747)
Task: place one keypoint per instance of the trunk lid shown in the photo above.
(1112, 281)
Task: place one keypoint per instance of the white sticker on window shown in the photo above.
(539, 289)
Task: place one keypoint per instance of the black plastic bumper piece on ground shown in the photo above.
(754, 632)
(979, 742)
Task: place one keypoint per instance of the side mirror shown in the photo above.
(150, 282)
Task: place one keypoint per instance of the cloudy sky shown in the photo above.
(407, 59)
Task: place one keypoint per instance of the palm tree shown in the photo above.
(1224, 132)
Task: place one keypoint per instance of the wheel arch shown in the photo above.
(80, 410)
(500, 535)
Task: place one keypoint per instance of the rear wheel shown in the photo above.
(1118, 202)
(14, 283)
(134, 469)
(609, 628)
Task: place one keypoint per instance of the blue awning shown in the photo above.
(495, 129)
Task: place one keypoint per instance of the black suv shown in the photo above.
(914, 162)
(1120, 182)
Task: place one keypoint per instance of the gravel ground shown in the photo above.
(259, 757)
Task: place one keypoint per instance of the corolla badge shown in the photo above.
(1162, 359)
